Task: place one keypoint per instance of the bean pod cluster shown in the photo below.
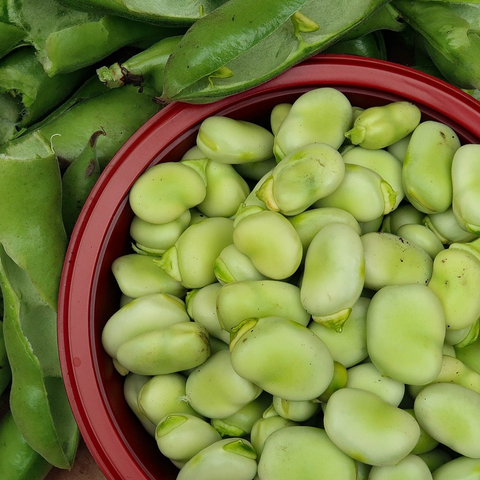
(302, 300)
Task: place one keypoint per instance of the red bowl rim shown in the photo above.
(76, 345)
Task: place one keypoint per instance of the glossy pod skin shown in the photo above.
(19, 461)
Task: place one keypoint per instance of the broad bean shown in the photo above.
(466, 194)
(271, 243)
(308, 121)
(363, 193)
(226, 140)
(181, 188)
(460, 467)
(392, 260)
(334, 274)
(369, 429)
(234, 458)
(303, 366)
(406, 332)
(216, 390)
(305, 451)
(302, 177)
(381, 126)
(232, 265)
(190, 260)
(180, 436)
(411, 467)
(429, 155)
(447, 412)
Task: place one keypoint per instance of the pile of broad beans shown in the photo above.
(79, 77)
(302, 298)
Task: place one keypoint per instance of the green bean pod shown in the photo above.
(191, 260)
(231, 141)
(10, 36)
(406, 332)
(460, 467)
(216, 390)
(278, 38)
(363, 193)
(369, 429)
(466, 193)
(392, 260)
(68, 39)
(271, 243)
(367, 377)
(78, 180)
(142, 315)
(244, 299)
(5, 370)
(348, 347)
(447, 412)
(201, 306)
(411, 467)
(303, 366)
(381, 126)
(180, 346)
(120, 113)
(305, 451)
(427, 169)
(321, 115)
(302, 177)
(156, 238)
(143, 68)
(139, 275)
(31, 257)
(382, 162)
(18, 460)
(240, 423)
(232, 265)
(132, 385)
(166, 13)
(180, 436)
(234, 458)
(162, 395)
(23, 77)
(334, 274)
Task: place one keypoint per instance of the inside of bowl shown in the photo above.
(103, 295)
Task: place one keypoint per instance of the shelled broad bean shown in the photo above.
(328, 328)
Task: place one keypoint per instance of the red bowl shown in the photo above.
(88, 292)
